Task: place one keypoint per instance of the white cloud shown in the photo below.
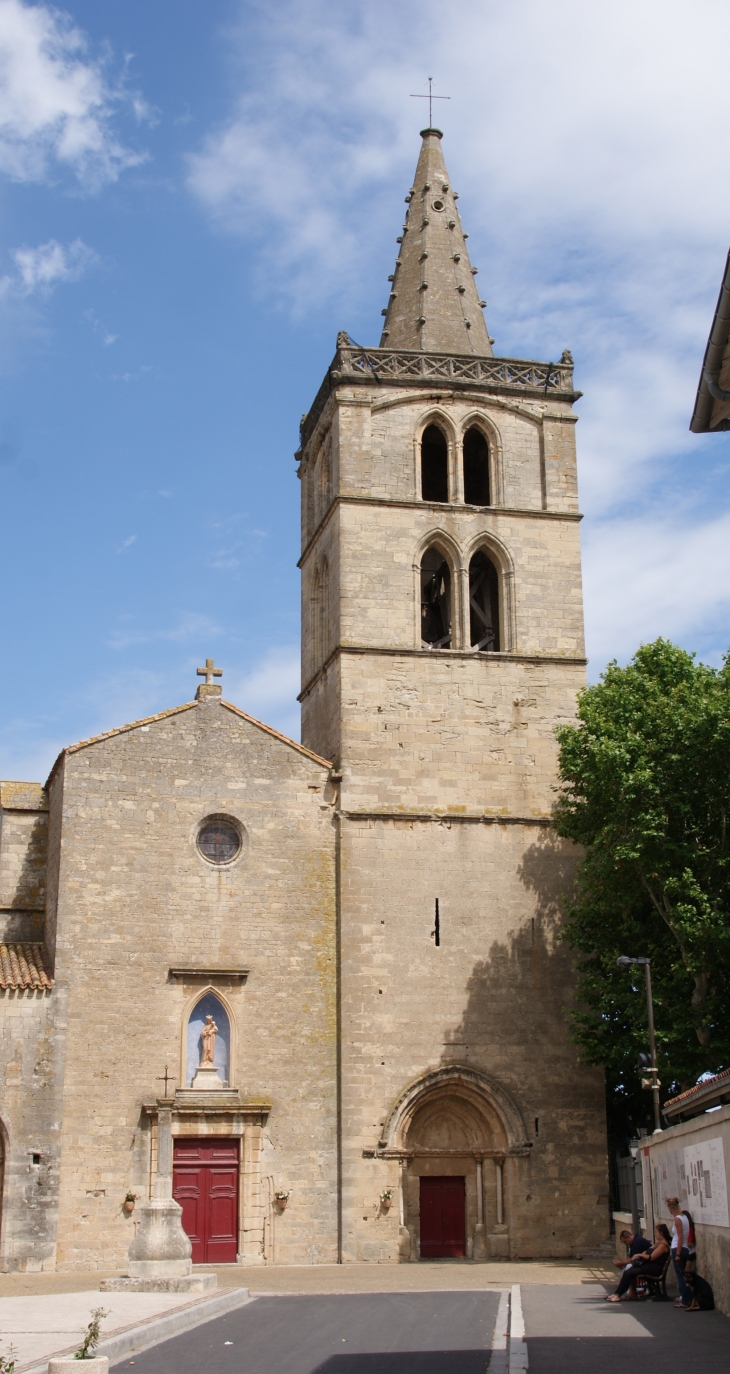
(191, 625)
(56, 102)
(41, 268)
(586, 142)
(668, 578)
(269, 689)
(126, 543)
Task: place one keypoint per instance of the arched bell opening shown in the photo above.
(484, 604)
(436, 607)
(208, 1044)
(434, 465)
(476, 468)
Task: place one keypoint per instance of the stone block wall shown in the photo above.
(493, 996)
(135, 898)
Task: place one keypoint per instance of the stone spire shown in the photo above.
(434, 303)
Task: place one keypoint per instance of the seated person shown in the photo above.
(651, 1263)
(703, 1298)
(635, 1244)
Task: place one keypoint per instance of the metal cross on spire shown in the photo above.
(430, 98)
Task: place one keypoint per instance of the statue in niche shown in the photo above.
(207, 1035)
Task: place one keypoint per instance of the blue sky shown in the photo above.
(195, 198)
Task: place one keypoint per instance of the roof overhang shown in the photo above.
(712, 410)
(713, 1092)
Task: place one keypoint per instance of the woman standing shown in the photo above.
(682, 1248)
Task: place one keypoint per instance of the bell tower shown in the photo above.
(442, 643)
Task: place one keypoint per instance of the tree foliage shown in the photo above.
(645, 790)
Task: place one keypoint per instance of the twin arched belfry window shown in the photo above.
(437, 606)
(435, 467)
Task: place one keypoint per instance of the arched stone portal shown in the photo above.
(454, 1125)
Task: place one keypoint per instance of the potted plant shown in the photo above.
(281, 1197)
(128, 1204)
(95, 1364)
(386, 1197)
(7, 1362)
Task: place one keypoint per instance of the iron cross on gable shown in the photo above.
(209, 672)
(430, 98)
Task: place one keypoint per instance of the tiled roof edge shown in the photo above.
(698, 1087)
(269, 730)
(119, 730)
(23, 966)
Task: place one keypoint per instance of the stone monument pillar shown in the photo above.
(159, 1256)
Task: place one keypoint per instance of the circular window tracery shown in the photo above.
(219, 840)
(437, 205)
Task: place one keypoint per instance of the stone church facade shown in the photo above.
(371, 918)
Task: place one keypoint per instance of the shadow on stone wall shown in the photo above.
(30, 887)
(521, 992)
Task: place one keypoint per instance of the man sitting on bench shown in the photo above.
(651, 1264)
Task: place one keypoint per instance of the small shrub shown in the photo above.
(91, 1338)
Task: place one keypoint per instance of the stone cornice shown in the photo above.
(453, 507)
(536, 660)
(444, 818)
(396, 367)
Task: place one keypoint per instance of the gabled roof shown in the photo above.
(712, 403)
(175, 711)
(268, 730)
(23, 967)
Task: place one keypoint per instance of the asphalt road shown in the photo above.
(364, 1333)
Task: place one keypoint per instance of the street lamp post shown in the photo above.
(624, 962)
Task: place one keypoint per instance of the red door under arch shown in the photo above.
(443, 1217)
(205, 1183)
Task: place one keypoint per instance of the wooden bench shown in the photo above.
(656, 1284)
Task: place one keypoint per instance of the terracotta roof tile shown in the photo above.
(23, 967)
(706, 1083)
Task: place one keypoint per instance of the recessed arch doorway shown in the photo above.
(453, 1141)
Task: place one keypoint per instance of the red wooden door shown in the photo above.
(443, 1217)
(205, 1183)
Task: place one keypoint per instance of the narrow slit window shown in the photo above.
(434, 465)
(476, 468)
(484, 604)
(435, 601)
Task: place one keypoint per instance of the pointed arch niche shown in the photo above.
(209, 1002)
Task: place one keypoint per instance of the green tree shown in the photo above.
(645, 790)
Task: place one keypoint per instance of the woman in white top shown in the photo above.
(682, 1248)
